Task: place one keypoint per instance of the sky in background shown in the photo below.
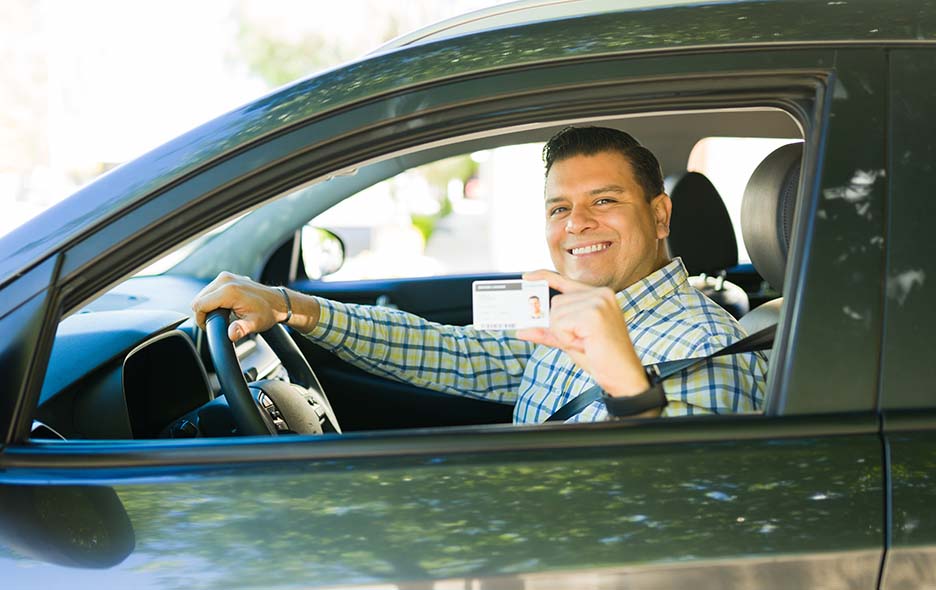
(87, 85)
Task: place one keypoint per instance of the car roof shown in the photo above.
(525, 12)
(521, 12)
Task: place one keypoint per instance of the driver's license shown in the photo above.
(510, 305)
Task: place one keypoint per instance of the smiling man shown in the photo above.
(623, 304)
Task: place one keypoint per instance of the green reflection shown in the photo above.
(363, 521)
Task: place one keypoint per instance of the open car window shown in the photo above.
(415, 231)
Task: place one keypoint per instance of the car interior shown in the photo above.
(131, 364)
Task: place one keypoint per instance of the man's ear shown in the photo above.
(662, 207)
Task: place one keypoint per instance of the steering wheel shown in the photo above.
(270, 406)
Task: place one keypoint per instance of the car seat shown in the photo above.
(766, 224)
(702, 235)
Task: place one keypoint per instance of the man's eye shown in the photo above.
(556, 210)
(604, 201)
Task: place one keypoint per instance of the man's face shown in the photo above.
(600, 228)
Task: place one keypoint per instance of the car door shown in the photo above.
(908, 372)
(793, 497)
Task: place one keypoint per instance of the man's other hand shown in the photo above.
(586, 323)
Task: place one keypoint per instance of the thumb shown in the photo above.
(537, 336)
(238, 329)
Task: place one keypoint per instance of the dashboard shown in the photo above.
(135, 366)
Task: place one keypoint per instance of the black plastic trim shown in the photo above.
(886, 467)
(81, 461)
(29, 332)
(814, 148)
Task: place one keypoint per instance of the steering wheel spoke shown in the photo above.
(299, 406)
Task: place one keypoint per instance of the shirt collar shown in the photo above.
(650, 290)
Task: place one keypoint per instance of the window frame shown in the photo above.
(268, 168)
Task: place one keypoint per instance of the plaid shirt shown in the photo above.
(666, 317)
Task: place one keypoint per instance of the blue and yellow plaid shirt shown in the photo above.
(667, 318)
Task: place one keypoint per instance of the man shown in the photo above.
(623, 304)
(536, 308)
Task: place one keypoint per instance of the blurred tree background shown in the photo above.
(86, 86)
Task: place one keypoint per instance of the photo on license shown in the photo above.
(510, 305)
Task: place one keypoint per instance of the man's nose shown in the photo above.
(579, 220)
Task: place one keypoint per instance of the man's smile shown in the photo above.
(588, 248)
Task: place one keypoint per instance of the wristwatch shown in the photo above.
(621, 406)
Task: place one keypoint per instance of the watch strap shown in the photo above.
(621, 406)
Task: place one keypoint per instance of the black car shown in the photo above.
(121, 462)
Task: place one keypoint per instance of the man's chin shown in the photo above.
(591, 278)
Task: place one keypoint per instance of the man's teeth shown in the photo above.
(589, 249)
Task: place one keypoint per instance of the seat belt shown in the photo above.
(760, 340)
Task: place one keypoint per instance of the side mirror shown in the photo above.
(323, 252)
(75, 526)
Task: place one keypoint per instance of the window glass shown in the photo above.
(475, 213)
(728, 162)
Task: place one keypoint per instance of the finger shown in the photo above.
(552, 339)
(206, 302)
(555, 280)
(239, 329)
(220, 298)
(222, 279)
(201, 310)
(585, 322)
(567, 338)
(604, 295)
(580, 316)
(568, 306)
(538, 336)
(595, 301)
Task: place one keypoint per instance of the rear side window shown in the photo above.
(728, 163)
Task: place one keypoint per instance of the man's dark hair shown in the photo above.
(588, 141)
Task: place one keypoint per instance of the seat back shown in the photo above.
(702, 235)
(766, 224)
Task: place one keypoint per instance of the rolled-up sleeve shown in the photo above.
(404, 347)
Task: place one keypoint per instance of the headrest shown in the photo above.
(700, 227)
(767, 211)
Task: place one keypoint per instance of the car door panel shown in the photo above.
(908, 370)
(729, 502)
(911, 556)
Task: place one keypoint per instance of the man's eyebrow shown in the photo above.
(552, 200)
(611, 188)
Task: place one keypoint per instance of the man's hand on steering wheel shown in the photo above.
(256, 307)
(299, 405)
